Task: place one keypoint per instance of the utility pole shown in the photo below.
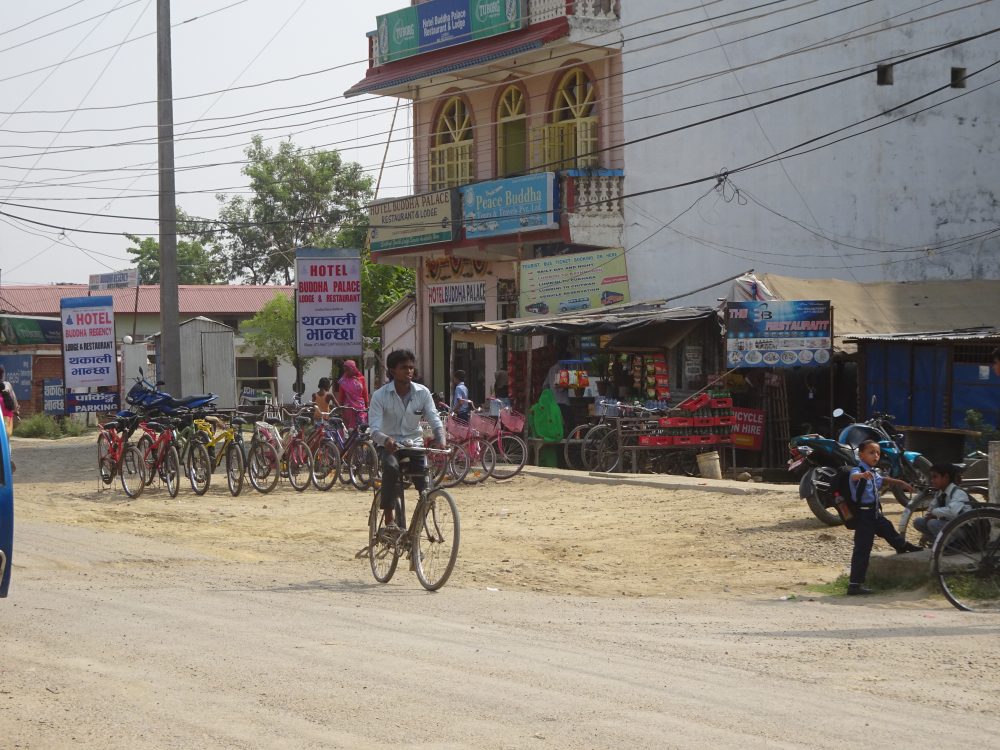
(169, 360)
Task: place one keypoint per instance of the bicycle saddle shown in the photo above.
(237, 421)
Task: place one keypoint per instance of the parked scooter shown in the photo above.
(148, 397)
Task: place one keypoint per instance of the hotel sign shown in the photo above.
(414, 220)
(443, 23)
(520, 204)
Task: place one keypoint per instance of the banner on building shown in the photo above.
(415, 220)
(27, 330)
(563, 283)
(328, 302)
(442, 23)
(748, 428)
(520, 204)
(100, 282)
(89, 354)
(92, 403)
(779, 333)
(53, 397)
(18, 373)
(466, 293)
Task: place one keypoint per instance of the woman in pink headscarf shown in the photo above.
(352, 391)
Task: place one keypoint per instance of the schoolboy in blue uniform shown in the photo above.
(871, 522)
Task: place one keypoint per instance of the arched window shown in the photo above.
(571, 140)
(512, 133)
(451, 154)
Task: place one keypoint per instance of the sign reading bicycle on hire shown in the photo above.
(779, 333)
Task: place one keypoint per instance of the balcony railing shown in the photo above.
(544, 10)
(598, 195)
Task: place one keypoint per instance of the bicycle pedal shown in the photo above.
(361, 553)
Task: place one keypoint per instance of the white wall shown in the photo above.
(928, 179)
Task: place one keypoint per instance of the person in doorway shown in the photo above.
(561, 395)
(11, 408)
(949, 501)
(866, 486)
(395, 413)
(323, 399)
(460, 403)
(352, 391)
(501, 387)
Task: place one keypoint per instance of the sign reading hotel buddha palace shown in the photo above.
(328, 302)
(414, 220)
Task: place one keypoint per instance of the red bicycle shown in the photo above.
(160, 456)
(115, 456)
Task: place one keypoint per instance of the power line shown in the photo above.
(66, 28)
(40, 18)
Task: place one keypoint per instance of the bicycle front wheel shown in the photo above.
(482, 461)
(364, 466)
(590, 448)
(967, 561)
(199, 467)
(451, 469)
(235, 466)
(435, 537)
(383, 547)
(133, 472)
(326, 465)
(262, 467)
(573, 448)
(300, 464)
(105, 466)
(512, 454)
(171, 471)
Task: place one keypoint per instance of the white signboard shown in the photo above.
(88, 329)
(328, 302)
(114, 280)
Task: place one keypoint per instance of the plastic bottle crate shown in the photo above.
(726, 421)
(721, 403)
(705, 421)
(675, 421)
(685, 440)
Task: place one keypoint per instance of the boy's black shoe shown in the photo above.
(910, 547)
(857, 589)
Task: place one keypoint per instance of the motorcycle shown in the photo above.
(148, 397)
(820, 457)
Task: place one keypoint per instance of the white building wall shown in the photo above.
(925, 180)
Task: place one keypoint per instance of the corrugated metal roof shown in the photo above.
(586, 322)
(982, 334)
(450, 59)
(219, 299)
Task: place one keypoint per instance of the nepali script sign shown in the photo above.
(328, 302)
(416, 220)
(779, 333)
(88, 328)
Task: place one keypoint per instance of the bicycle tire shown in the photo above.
(435, 539)
(454, 467)
(609, 457)
(383, 551)
(199, 467)
(235, 468)
(512, 454)
(483, 459)
(590, 448)
(300, 464)
(105, 466)
(145, 446)
(967, 561)
(573, 448)
(262, 467)
(172, 471)
(326, 465)
(133, 472)
(364, 466)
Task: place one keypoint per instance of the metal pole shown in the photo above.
(170, 341)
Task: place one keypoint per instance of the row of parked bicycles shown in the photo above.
(161, 437)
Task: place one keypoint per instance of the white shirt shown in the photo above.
(390, 416)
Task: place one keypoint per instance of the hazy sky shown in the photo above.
(69, 56)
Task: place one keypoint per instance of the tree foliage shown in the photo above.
(270, 334)
(196, 264)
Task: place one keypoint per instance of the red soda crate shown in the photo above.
(705, 421)
(685, 440)
(704, 439)
(724, 439)
(675, 421)
(646, 439)
(665, 439)
(726, 421)
(721, 403)
(695, 402)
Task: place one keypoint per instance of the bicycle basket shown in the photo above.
(485, 426)
(458, 429)
(512, 420)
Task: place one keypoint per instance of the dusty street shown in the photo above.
(579, 615)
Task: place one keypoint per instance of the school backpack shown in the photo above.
(843, 498)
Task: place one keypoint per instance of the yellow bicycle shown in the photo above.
(224, 443)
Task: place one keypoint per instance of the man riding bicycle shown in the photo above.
(394, 416)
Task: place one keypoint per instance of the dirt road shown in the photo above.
(579, 615)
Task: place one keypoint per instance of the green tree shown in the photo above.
(196, 264)
(270, 334)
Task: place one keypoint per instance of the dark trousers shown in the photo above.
(392, 485)
(871, 523)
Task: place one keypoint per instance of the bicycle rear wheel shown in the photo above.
(133, 472)
(235, 466)
(145, 445)
(435, 538)
(383, 547)
(262, 467)
(573, 448)
(452, 469)
(591, 447)
(105, 466)
(512, 454)
(363, 466)
(171, 471)
(967, 561)
(199, 467)
(326, 465)
(300, 464)
(482, 461)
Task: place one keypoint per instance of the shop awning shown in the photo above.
(650, 323)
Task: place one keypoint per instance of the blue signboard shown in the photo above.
(779, 333)
(18, 369)
(520, 204)
(97, 403)
(53, 399)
